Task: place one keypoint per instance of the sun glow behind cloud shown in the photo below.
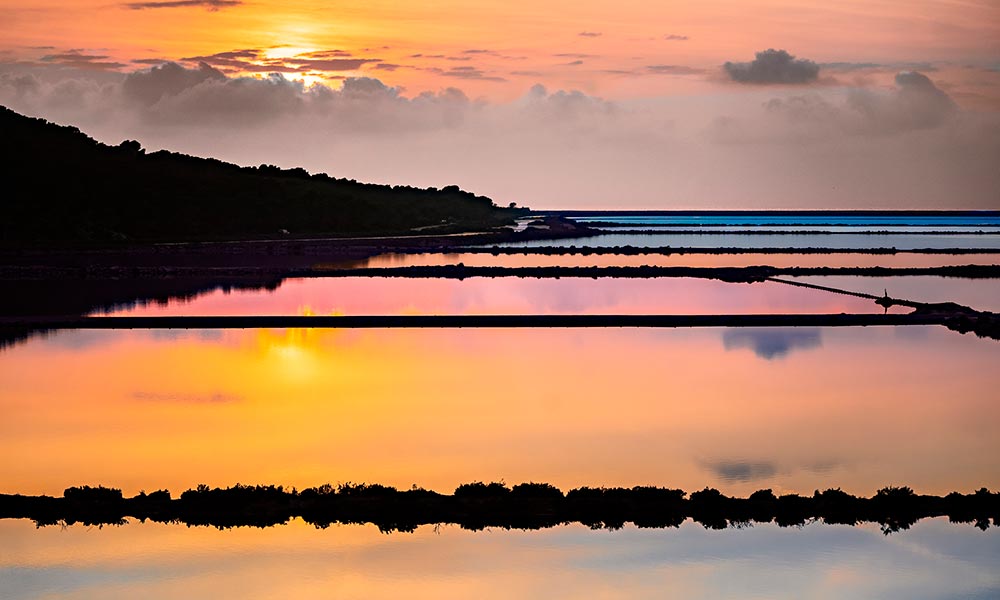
(497, 49)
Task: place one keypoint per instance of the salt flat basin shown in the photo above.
(814, 220)
(731, 240)
(510, 295)
(934, 559)
(738, 409)
(980, 294)
(476, 259)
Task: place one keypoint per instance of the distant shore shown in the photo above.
(479, 505)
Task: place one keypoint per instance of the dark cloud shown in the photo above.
(478, 51)
(170, 79)
(674, 70)
(325, 54)
(866, 66)
(212, 5)
(673, 37)
(387, 66)
(573, 55)
(253, 60)
(80, 60)
(233, 59)
(471, 73)
(574, 63)
(743, 471)
(528, 73)
(332, 64)
(770, 344)
(773, 66)
(590, 34)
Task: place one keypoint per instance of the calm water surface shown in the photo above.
(511, 295)
(723, 240)
(981, 294)
(680, 260)
(932, 560)
(738, 409)
(985, 219)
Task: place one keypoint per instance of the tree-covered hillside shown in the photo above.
(62, 187)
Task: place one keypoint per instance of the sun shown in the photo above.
(282, 52)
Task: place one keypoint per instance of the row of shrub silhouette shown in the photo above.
(480, 505)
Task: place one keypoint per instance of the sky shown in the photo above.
(549, 103)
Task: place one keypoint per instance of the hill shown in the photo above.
(64, 188)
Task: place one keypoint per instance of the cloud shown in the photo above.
(80, 60)
(673, 70)
(673, 37)
(212, 5)
(575, 63)
(770, 344)
(904, 146)
(743, 471)
(914, 104)
(148, 87)
(870, 66)
(773, 66)
(471, 73)
(590, 34)
(254, 60)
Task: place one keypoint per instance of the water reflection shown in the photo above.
(568, 407)
(511, 295)
(932, 560)
(770, 344)
(740, 470)
(980, 294)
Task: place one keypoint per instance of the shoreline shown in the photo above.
(477, 506)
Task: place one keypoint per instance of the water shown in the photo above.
(732, 240)
(790, 409)
(933, 560)
(738, 409)
(510, 295)
(970, 219)
(679, 260)
(980, 294)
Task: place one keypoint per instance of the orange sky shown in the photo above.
(597, 47)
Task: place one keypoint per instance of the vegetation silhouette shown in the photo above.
(478, 505)
(65, 188)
